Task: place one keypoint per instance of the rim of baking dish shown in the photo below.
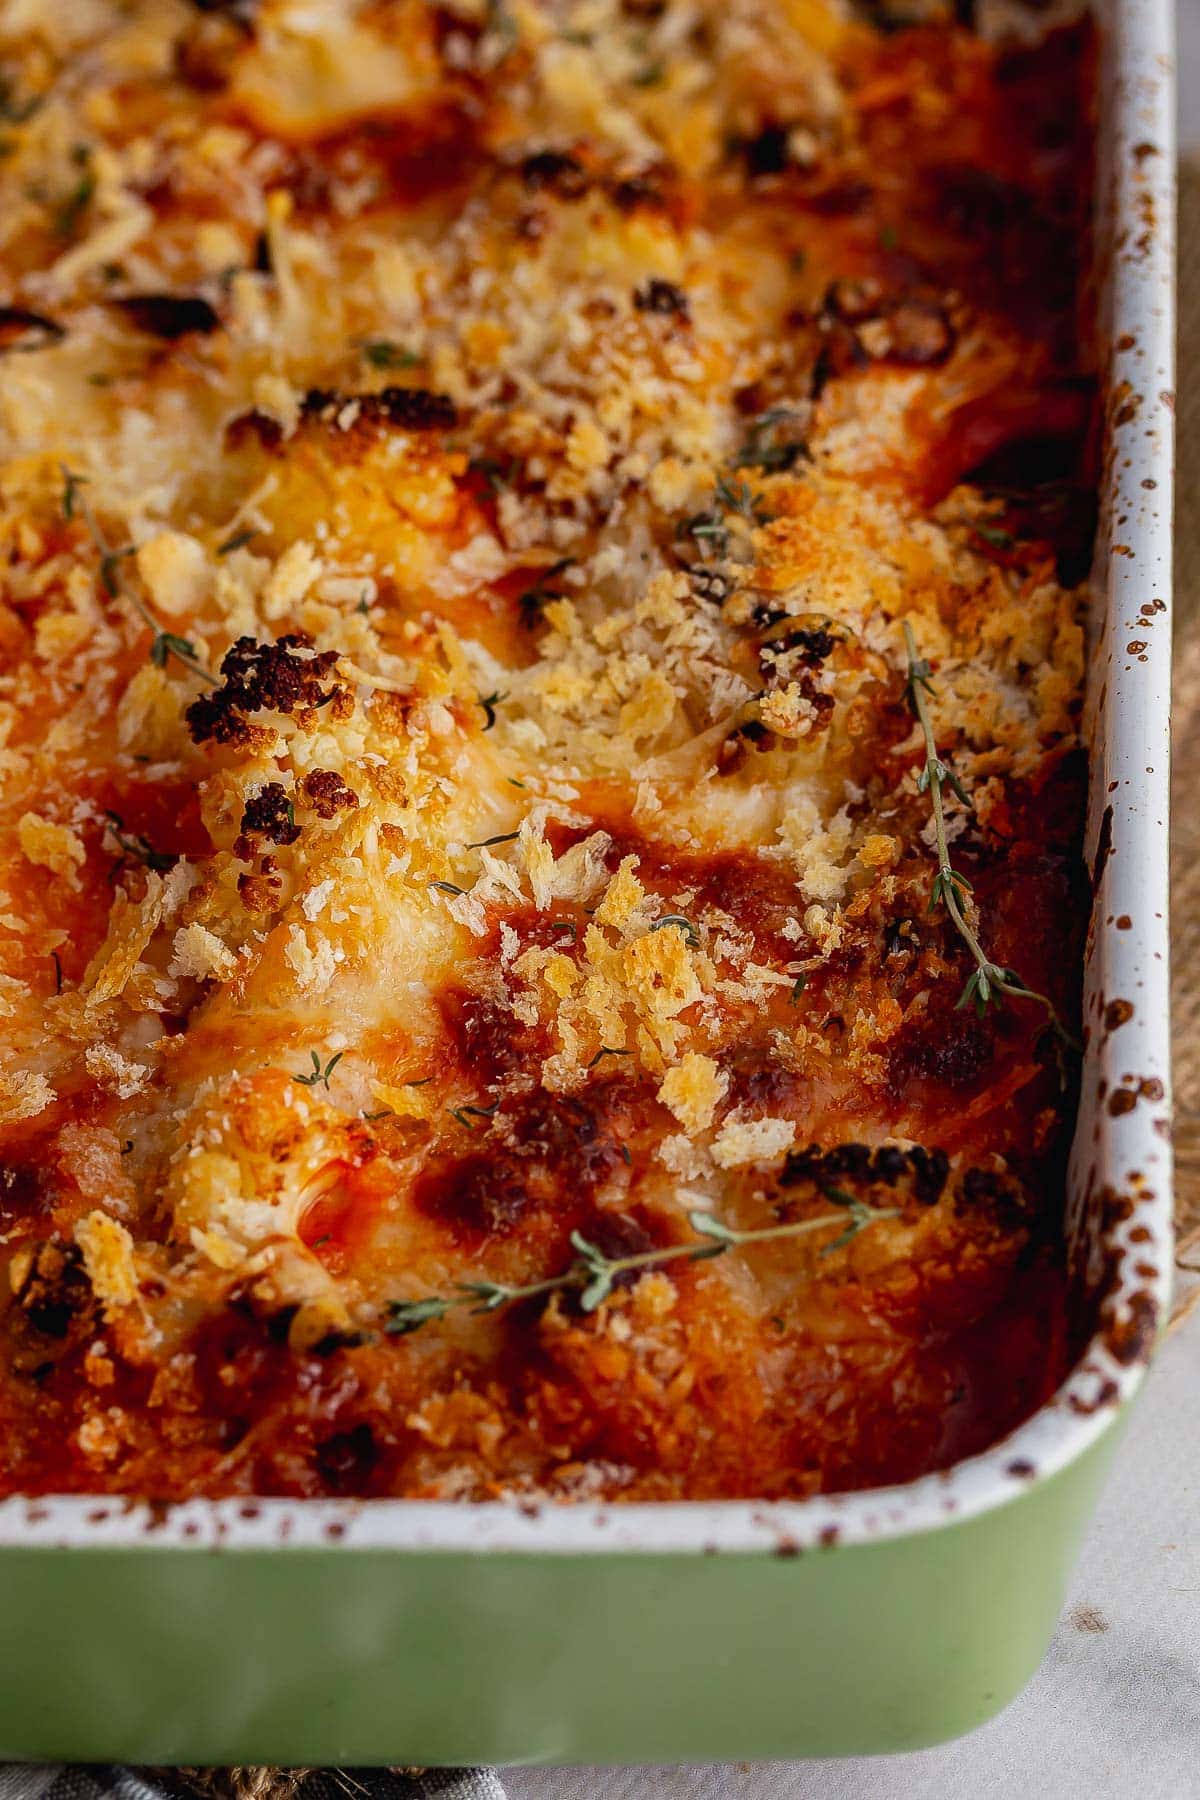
(1119, 1207)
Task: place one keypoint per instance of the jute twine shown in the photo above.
(262, 1783)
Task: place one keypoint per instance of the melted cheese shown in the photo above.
(463, 485)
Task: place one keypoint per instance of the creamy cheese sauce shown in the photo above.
(465, 474)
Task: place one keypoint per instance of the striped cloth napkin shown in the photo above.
(99, 1781)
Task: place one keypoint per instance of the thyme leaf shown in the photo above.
(164, 644)
(109, 563)
(766, 445)
(235, 542)
(489, 703)
(72, 208)
(14, 111)
(135, 845)
(497, 475)
(736, 498)
(320, 1075)
(708, 529)
(464, 1114)
(382, 353)
(490, 1294)
(592, 1275)
(532, 603)
(690, 935)
(988, 984)
(502, 24)
(70, 494)
(410, 1315)
(731, 500)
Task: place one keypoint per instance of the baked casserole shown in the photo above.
(542, 651)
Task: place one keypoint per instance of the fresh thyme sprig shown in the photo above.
(165, 643)
(989, 982)
(593, 1274)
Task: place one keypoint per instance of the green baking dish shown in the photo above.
(521, 1654)
(408, 1632)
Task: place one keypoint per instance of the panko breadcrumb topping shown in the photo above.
(477, 1014)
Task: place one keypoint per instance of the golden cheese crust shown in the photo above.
(478, 1015)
